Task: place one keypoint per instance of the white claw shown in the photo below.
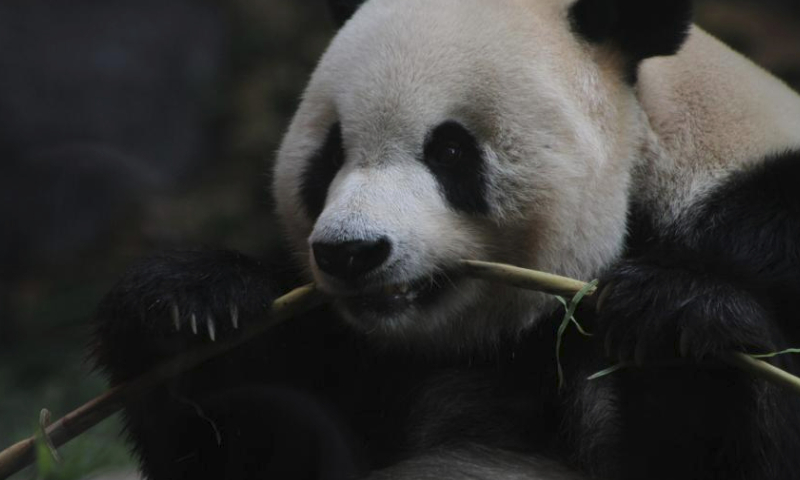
(194, 324)
(176, 316)
(212, 328)
(235, 316)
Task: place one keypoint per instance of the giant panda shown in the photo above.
(604, 139)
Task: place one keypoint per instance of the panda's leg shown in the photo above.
(249, 432)
(233, 417)
(591, 433)
(683, 422)
(723, 280)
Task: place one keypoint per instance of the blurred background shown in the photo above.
(128, 127)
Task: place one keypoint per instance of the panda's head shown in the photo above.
(440, 130)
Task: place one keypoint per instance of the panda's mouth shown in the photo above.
(393, 298)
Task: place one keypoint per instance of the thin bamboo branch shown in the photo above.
(550, 283)
(21, 454)
(76, 422)
(762, 369)
(523, 278)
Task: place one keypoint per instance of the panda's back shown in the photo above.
(706, 100)
(712, 112)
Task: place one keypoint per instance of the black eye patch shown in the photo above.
(453, 156)
(320, 170)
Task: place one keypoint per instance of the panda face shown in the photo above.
(434, 131)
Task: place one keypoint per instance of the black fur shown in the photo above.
(200, 283)
(720, 279)
(723, 280)
(321, 169)
(342, 10)
(315, 399)
(453, 155)
(312, 398)
(640, 29)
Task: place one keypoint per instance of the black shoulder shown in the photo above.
(749, 223)
(754, 219)
(771, 182)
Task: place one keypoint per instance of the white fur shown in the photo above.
(513, 74)
(562, 135)
(712, 112)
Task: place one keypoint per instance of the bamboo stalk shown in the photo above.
(79, 420)
(21, 454)
(523, 278)
(762, 369)
(546, 282)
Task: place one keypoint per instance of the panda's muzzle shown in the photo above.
(355, 266)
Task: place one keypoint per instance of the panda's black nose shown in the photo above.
(352, 259)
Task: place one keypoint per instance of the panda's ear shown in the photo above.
(342, 10)
(639, 28)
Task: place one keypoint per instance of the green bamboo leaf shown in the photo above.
(775, 354)
(569, 315)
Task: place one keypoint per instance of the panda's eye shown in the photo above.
(448, 144)
(447, 154)
(454, 157)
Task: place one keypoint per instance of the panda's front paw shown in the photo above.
(650, 313)
(172, 302)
